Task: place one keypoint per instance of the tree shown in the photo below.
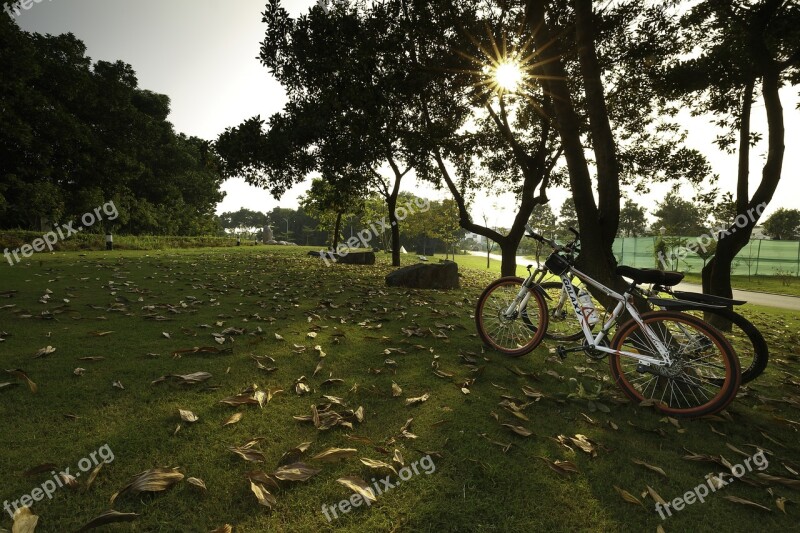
(329, 205)
(76, 134)
(632, 219)
(243, 219)
(544, 222)
(567, 218)
(580, 52)
(680, 217)
(783, 224)
(748, 48)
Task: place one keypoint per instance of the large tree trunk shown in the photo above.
(597, 227)
(336, 231)
(717, 273)
(391, 203)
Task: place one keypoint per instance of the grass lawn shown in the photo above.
(756, 283)
(117, 307)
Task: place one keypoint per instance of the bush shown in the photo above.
(15, 239)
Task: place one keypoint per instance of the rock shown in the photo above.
(426, 276)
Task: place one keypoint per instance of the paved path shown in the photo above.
(757, 298)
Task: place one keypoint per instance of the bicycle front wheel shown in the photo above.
(702, 379)
(514, 334)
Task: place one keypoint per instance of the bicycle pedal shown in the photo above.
(562, 352)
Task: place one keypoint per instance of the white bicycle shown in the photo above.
(685, 366)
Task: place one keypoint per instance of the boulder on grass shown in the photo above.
(426, 276)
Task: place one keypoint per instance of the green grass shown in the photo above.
(476, 486)
(772, 284)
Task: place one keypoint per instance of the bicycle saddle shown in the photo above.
(650, 275)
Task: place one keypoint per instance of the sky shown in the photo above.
(203, 54)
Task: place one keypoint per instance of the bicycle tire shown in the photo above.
(502, 335)
(756, 357)
(562, 324)
(719, 391)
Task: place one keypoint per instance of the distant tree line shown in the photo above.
(76, 134)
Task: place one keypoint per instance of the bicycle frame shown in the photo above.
(623, 303)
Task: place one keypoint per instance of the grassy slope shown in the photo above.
(475, 487)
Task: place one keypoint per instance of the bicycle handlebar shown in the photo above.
(553, 244)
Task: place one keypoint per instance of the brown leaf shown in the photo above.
(227, 528)
(294, 454)
(188, 416)
(378, 465)
(21, 375)
(248, 453)
(153, 480)
(627, 496)
(44, 352)
(331, 455)
(519, 430)
(108, 517)
(396, 390)
(233, 419)
(264, 497)
(295, 472)
(656, 496)
(24, 521)
(358, 485)
(748, 503)
(46, 467)
(656, 469)
(93, 475)
(418, 400)
(197, 482)
(786, 482)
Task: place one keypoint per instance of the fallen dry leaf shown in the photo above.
(295, 472)
(233, 419)
(331, 455)
(108, 517)
(188, 416)
(153, 480)
(742, 501)
(358, 485)
(418, 400)
(264, 496)
(24, 521)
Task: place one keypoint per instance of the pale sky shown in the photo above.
(203, 55)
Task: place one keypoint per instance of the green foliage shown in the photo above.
(632, 219)
(783, 224)
(75, 135)
(678, 216)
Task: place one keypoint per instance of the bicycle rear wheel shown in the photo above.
(517, 334)
(562, 325)
(703, 378)
(749, 344)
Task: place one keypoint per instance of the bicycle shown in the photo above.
(680, 363)
(748, 342)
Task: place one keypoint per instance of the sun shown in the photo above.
(508, 76)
